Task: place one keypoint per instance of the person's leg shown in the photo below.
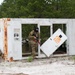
(33, 50)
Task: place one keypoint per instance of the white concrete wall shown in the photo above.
(69, 28)
(16, 22)
(14, 42)
(1, 34)
(71, 36)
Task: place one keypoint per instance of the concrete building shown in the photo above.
(11, 34)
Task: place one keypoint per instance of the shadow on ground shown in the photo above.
(12, 74)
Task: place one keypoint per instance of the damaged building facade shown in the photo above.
(11, 35)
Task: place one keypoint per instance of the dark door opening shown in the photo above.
(45, 33)
(26, 29)
(62, 48)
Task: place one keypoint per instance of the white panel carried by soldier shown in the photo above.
(34, 40)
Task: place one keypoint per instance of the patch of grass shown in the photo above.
(74, 58)
(30, 59)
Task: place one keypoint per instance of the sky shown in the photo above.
(1, 1)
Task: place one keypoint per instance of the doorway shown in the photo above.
(26, 29)
(62, 49)
(45, 33)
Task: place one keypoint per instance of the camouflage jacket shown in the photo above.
(32, 36)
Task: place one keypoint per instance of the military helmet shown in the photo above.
(36, 29)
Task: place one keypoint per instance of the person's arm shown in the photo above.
(31, 36)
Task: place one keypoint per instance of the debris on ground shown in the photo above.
(46, 66)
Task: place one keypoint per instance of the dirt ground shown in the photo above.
(45, 66)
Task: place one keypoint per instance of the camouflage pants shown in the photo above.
(33, 47)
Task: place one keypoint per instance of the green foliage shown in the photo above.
(26, 29)
(38, 9)
(30, 59)
(73, 57)
(46, 30)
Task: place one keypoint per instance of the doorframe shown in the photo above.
(65, 34)
(51, 31)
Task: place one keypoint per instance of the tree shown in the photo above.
(38, 8)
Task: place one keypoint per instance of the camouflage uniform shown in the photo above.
(33, 42)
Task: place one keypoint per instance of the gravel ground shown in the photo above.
(47, 66)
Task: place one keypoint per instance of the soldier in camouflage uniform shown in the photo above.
(33, 41)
